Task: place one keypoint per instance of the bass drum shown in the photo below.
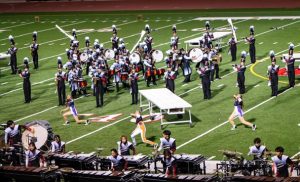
(135, 58)
(157, 55)
(196, 55)
(41, 135)
(83, 57)
(109, 54)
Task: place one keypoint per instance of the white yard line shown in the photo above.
(256, 86)
(17, 25)
(4, 83)
(275, 43)
(225, 122)
(44, 30)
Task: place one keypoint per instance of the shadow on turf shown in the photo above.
(251, 120)
(217, 91)
(249, 87)
(195, 120)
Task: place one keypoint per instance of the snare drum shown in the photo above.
(124, 76)
(157, 55)
(135, 58)
(82, 83)
(83, 57)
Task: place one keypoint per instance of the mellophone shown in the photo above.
(78, 176)
(194, 178)
(78, 162)
(30, 174)
(188, 164)
(133, 161)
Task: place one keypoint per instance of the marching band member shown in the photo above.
(238, 112)
(25, 75)
(174, 41)
(150, 70)
(174, 29)
(169, 77)
(58, 146)
(114, 41)
(92, 72)
(74, 33)
(60, 78)
(34, 36)
(116, 68)
(147, 29)
(148, 41)
(290, 64)
(124, 146)
(207, 43)
(140, 129)
(232, 48)
(13, 133)
(291, 49)
(118, 163)
(33, 157)
(240, 69)
(26, 62)
(169, 163)
(71, 110)
(257, 150)
(273, 77)
(114, 29)
(281, 163)
(207, 26)
(186, 67)
(87, 42)
(134, 88)
(13, 57)
(272, 56)
(252, 49)
(204, 73)
(167, 143)
(59, 62)
(72, 79)
(99, 81)
(34, 47)
(251, 29)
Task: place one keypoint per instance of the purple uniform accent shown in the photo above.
(72, 107)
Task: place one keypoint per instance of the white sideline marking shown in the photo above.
(225, 122)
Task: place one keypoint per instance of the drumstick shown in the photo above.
(142, 35)
(64, 32)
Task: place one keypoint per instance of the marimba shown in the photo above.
(78, 162)
(133, 161)
(29, 174)
(193, 178)
(188, 164)
(262, 178)
(91, 176)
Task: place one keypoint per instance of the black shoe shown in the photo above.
(132, 103)
(154, 83)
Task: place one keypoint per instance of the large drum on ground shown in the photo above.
(196, 54)
(157, 55)
(41, 135)
(82, 83)
(109, 54)
(135, 58)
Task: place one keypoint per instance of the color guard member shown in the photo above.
(238, 112)
(71, 110)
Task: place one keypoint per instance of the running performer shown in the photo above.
(71, 110)
(238, 112)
